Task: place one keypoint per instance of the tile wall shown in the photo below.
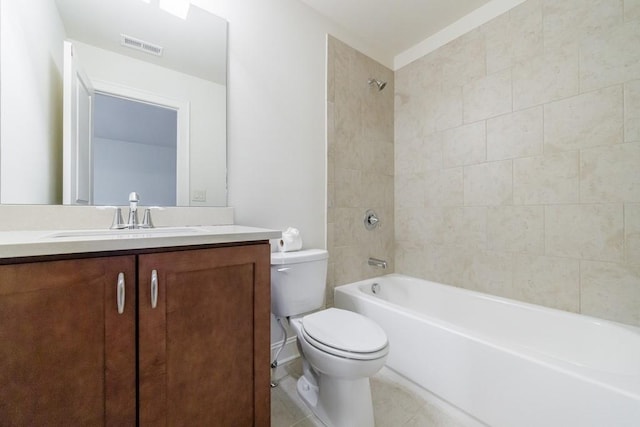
(517, 159)
(360, 165)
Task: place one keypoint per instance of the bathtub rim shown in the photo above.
(487, 296)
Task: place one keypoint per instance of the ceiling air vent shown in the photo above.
(142, 45)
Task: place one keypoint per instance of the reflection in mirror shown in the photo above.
(134, 144)
(188, 78)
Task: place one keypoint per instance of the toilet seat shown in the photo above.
(345, 334)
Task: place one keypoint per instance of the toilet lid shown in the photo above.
(345, 330)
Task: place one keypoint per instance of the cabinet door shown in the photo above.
(67, 357)
(204, 348)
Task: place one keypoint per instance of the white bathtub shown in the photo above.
(504, 362)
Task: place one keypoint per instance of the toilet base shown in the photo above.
(338, 402)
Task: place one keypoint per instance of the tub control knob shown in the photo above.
(371, 220)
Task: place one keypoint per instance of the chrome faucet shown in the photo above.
(379, 263)
(132, 223)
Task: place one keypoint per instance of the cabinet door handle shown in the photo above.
(120, 293)
(154, 288)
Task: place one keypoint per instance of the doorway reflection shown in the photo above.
(134, 149)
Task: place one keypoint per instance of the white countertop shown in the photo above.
(53, 242)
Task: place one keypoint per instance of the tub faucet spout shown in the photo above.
(379, 263)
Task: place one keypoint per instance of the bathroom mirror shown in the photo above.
(136, 51)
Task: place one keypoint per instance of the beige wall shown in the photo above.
(517, 158)
(360, 165)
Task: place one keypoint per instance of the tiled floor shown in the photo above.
(396, 403)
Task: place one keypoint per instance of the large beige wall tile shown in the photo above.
(348, 185)
(515, 135)
(350, 264)
(421, 73)
(610, 58)
(465, 227)
(546, 179)
(587, 120)
(463, 59)
(631, 10)
(488, 184)
(513, 36)
(429, 261)
(585, 231)
(345, 225)
(347, 103)
(610, 174)
(414, 116)
(525, 30)
(331, 126)
(490, 272)
(516, 229)
(359, 151)
(444, 263)
(409, 190)
(432, 152)
(444, 187)
(419, 225)
(464, 145)
(487, 97)
(348, 150)
(410, 258)
(376, 191)
(632, 111)
(383, 163)
(549, 281)
(418, 154)
(610, 291)
(544, 78)
(408, 155)
(331, 76)
(497, 43)
(632, 234)
(567, 22)
(447, 107)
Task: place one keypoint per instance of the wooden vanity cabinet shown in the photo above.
(198, 354)
(67, 357)
(204, 348)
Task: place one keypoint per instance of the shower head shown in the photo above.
(380, 85)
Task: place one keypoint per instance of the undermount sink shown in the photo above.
(139, 232)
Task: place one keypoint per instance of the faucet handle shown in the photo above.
(134, 197)
(146, 219)
(117, 222)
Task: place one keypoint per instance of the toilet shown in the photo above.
(340, 349)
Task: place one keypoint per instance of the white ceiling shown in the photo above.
(393, 26)
(389, 27)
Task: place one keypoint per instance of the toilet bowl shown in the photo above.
(340, 349)
(337, 364)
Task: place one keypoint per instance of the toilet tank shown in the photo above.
(298, 281)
